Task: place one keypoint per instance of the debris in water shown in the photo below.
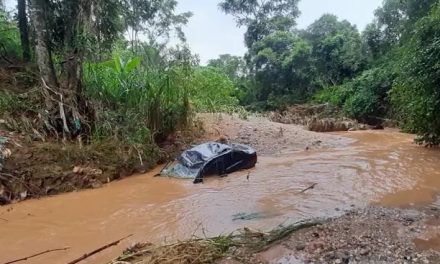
(87, 255)
(37, 254)
(245, 216)
(309, 188)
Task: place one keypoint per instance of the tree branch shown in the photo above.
(87, 255)
(37, 254)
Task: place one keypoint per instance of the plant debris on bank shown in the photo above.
(369, 235)
(208, 250)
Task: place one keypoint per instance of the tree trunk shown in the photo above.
(24, 32)
(74, 50)
(42, 48)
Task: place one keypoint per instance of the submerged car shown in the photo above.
(211, 158)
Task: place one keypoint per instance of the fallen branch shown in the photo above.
(87, 255)
(309, 188)
(38, 254)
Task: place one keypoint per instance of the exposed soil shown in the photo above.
(35, 168)
(265, 136)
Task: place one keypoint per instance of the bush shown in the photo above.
(335, 95)
(363, 98)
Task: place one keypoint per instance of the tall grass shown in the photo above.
(137, 101)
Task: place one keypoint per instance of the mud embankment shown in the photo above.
(33, 169)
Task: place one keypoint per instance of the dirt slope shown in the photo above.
(265, 136)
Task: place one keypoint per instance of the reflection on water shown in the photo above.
(381, 167)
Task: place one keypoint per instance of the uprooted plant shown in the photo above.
(208, 250)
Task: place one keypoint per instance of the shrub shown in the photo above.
(363, 98)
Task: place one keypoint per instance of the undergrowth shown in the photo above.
(12, 103)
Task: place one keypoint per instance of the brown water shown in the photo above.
(373, 167)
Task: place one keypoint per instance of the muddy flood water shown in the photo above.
(382, 167)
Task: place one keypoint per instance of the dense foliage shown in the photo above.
(211, 90)
(138, 102)
(365, 97)
(416, 92)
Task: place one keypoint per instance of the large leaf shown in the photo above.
(118, 63)
(132, 64)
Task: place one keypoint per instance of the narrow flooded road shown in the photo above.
(381, 167)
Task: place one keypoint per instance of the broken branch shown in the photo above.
(36, 255)
(309, 188)
(87, 255)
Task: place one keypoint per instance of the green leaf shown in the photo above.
(118, 63)
(132, 64)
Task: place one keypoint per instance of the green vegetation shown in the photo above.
(9, 39)
(364, 97)
(390, 70)
(416, 91)
(212, 91)
(141, 90)
(12, 103)
(111, 88)
(143, 100)
(137, 102)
